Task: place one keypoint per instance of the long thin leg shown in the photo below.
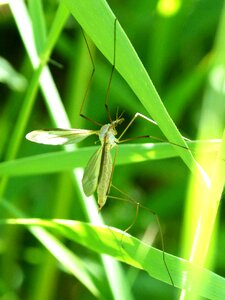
(89, 84)
(138, 206)
(133, 119)
(145, 136)
(111, 75)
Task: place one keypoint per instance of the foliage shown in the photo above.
(178, 48)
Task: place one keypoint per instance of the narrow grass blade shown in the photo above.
(98, 23)
(104, 239)
(67, 160)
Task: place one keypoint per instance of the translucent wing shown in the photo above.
(91, 173)
(105, 177)
(59, 136)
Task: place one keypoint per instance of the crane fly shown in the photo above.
(98, 172)
(99, 169)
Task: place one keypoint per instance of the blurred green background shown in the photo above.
(173, 40)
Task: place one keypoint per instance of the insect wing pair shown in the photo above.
(98, 172)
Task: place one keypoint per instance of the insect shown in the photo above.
(99, 170)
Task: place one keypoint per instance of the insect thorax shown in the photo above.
(107, 134)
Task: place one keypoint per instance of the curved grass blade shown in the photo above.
(105, 239)
(128, 64)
